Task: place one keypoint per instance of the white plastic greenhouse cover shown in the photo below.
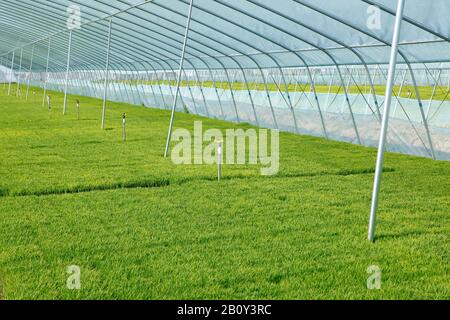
(225, 33)
(6, 75)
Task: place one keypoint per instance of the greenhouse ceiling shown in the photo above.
(223, 33)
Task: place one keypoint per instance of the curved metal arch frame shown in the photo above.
(119, 12)
(408, 64)
(357, 54)
(320, 49)
(97, 19)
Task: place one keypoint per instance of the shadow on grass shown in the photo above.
(3, 192)
(99, 187)
(158, 183)
(395, 236)
(90, 142)
(83, 119)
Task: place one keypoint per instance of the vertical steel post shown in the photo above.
(385, 121)
(316, 98)
(20, 70)
(29, 73)
(349, 105)
(329, 90)
(201, 89)
(183, 52)
(269, 99)
(422, 113)
(400, 92)
(150, 85)
(67, 72)
(432, 94)
(192, 98)
(11, 73)
(217, 93)
(105, 89)
(232, 95)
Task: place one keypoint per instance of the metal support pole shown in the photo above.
(329, 90)
(269, 99)
(20, 70)
(288, 100)
(201, 90)
(166, 80)
(217, 93)
(232, 95)
(150, 85)
(432, 94)
(373, 92)
(78, 84)
(316, 98)
(95, 78)
(67, 72)
(183, 52)
(11, 73)
(349, 105)
(29, 73)
(384, 123)
(400, 92)
(140, 86)
(422, 113)
(88, 84)
(105, 89)
(249, 95)
(192, 97)
(159, 82)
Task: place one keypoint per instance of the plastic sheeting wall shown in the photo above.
(6, 75)
(407, 132)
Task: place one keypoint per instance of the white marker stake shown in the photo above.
(219, 160)
(49, 103)
(124, 124)
(78, 110)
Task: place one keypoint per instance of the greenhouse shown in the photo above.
(371, 73)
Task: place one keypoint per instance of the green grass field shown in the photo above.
(140, 227)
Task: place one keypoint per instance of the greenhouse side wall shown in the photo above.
(356, 121)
